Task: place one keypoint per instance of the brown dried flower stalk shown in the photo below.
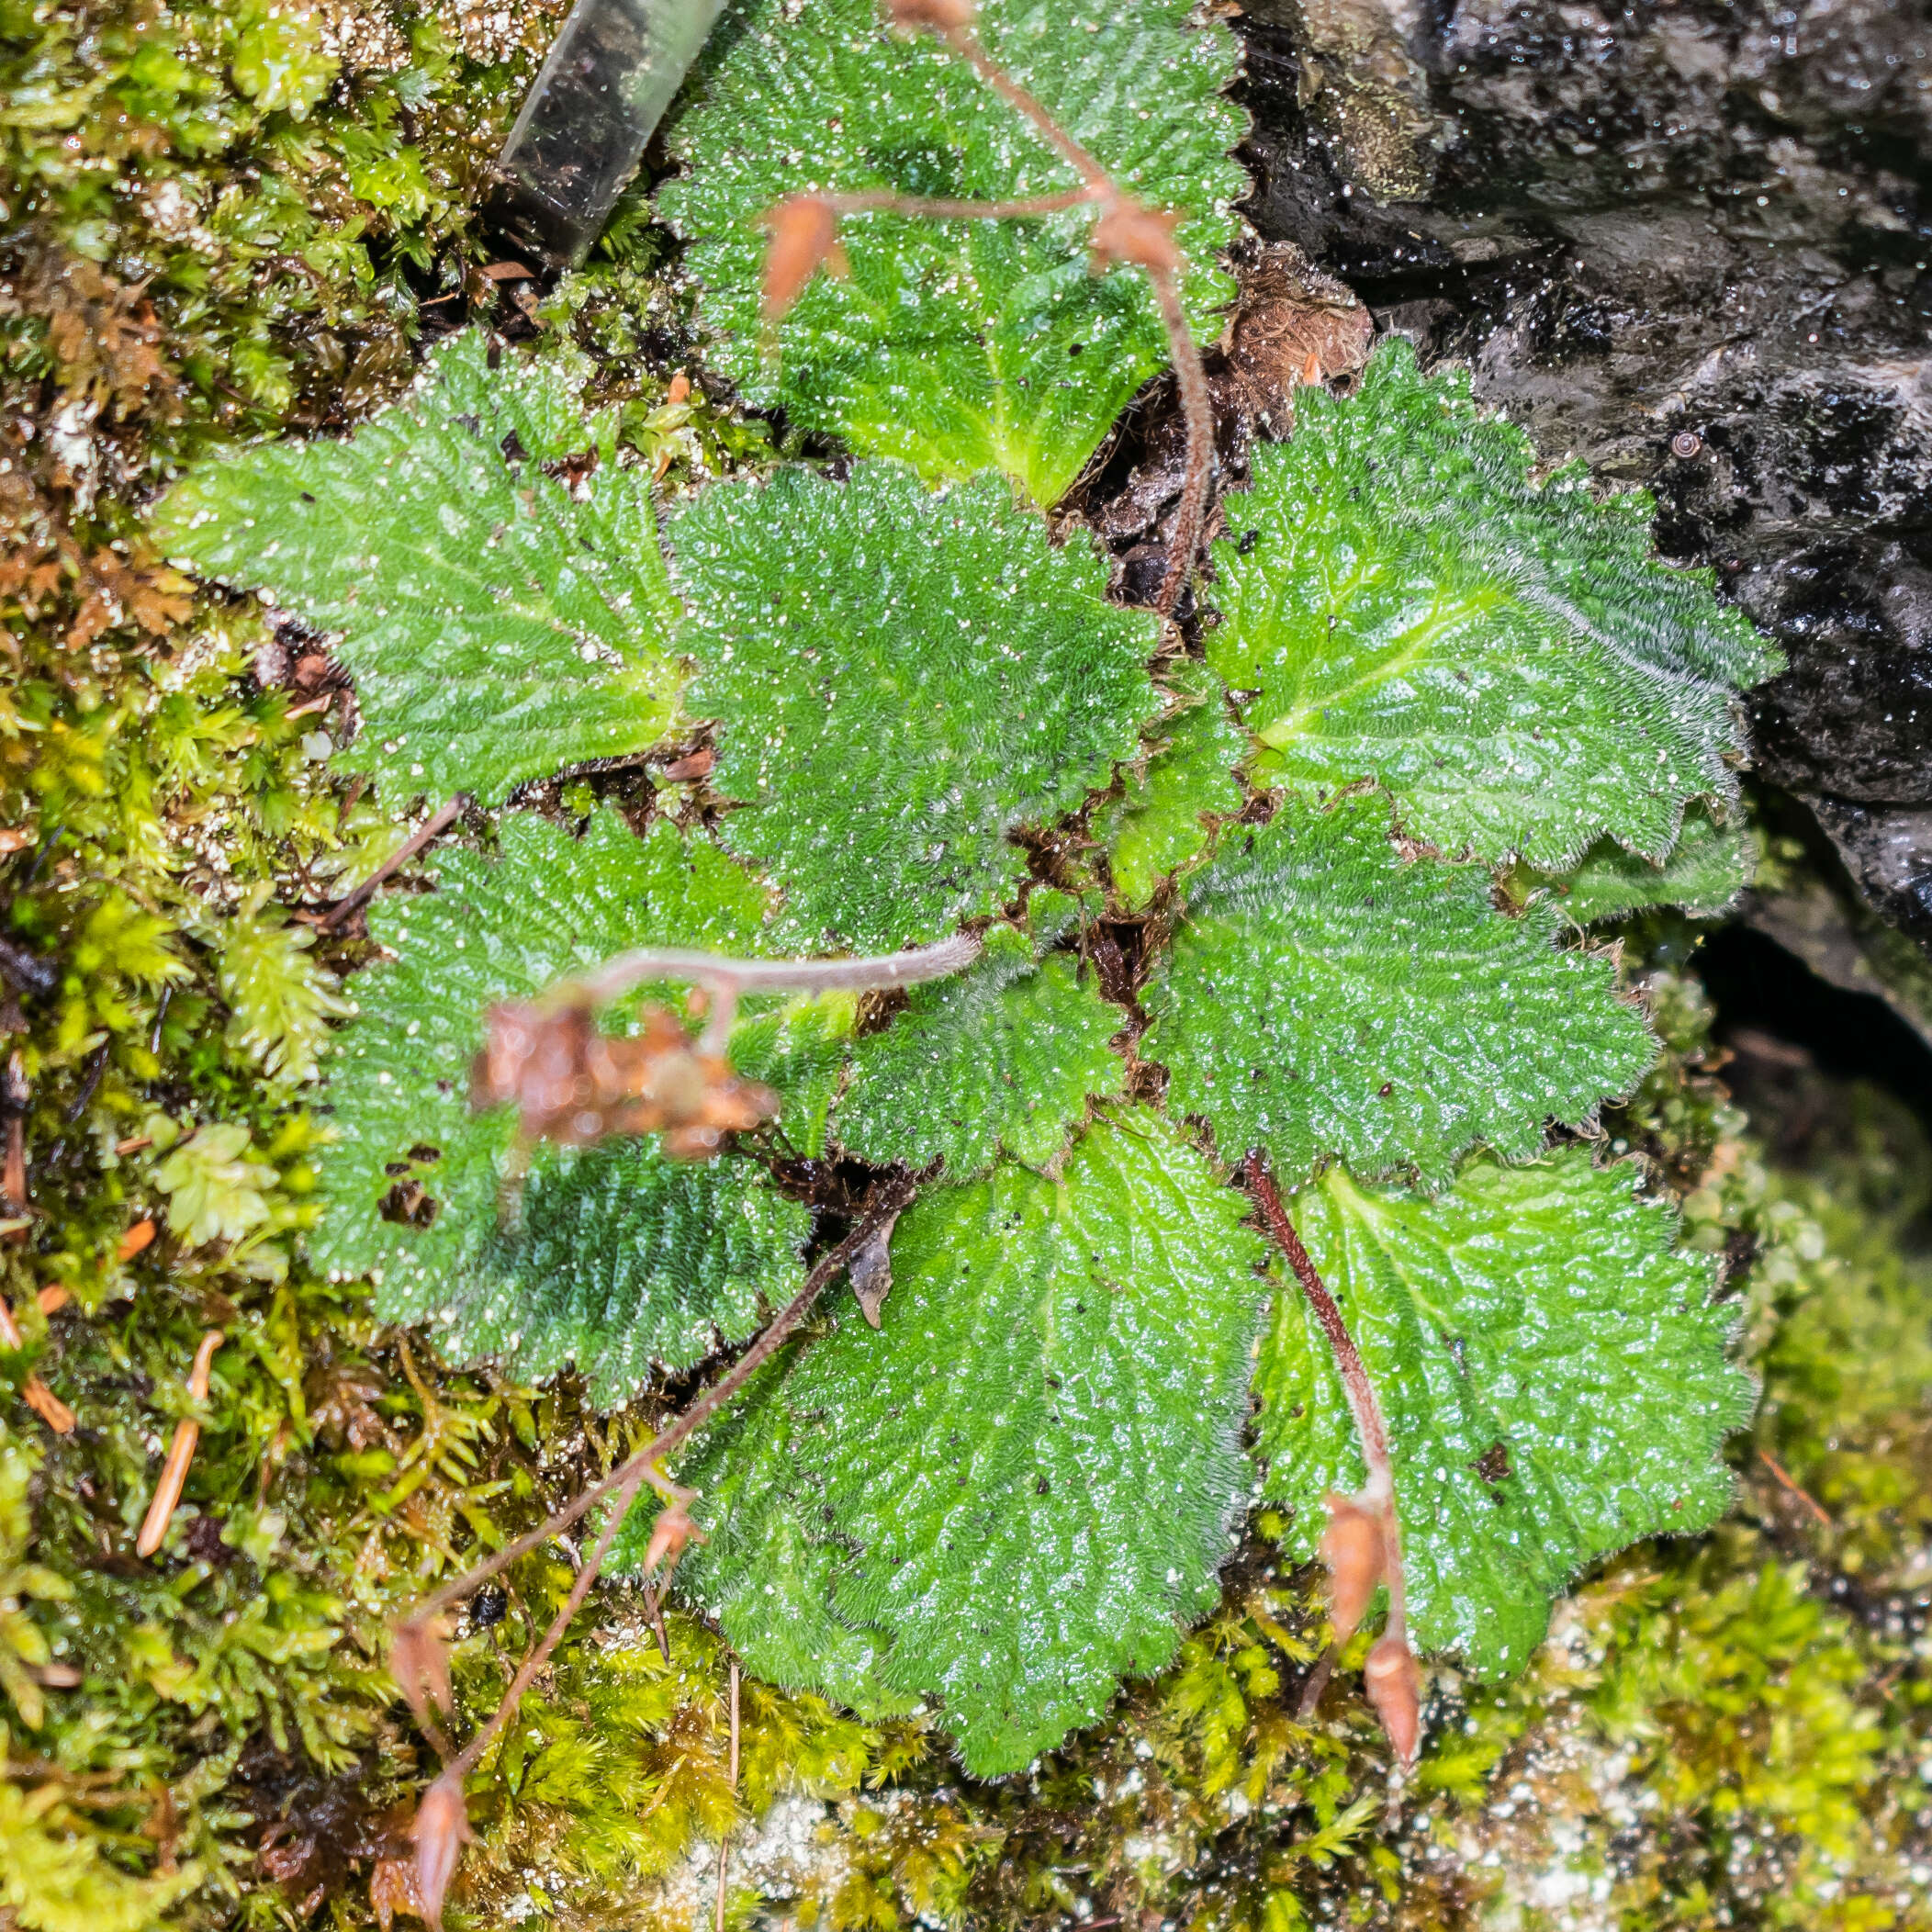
(1363, 1546)
(804, 238)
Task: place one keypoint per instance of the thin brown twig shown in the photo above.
(436, 823)
(466, 1759)
(1786, 1483)
(888, 1198)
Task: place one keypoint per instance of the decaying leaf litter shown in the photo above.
(1096, 945)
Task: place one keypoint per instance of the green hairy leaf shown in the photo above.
(901, 677)
(1025, 1477)
(1711, 866)
(956, 345)
(1407, 605)
(501, 624)
(1158, 827)
(1552, 1370)
(1005, 1057)
(614, 1256)
(764, 1572)
(1326, 997)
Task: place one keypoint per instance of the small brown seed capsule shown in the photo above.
(441, 1831)
(1356, 1555)
(804, 238)
(1394, 1681)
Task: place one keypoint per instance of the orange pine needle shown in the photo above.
(180, 1453)
(48, 1406)
(136, 1238)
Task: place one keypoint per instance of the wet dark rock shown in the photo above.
(1689, 244)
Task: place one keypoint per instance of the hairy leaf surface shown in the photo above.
(901, 677)
(956, 345)
(1552, 1370)
(1158, 827)
(764, 1572)
(500, 623)
(1710, 867)
(1022, 1482)
(1506, 656)
(1006, 1056)
(1326, 997)
(614, 1257)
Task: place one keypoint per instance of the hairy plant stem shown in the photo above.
(1371, 1430)
(936, 208)
(466, 1761)
(888, 1198)
(724, 977)
(1198, 414)
(1102, 189)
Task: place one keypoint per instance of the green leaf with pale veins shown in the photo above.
(614, 1257)
(1326, 997)
(1003, 1057)
(1552, 1370)
(800, 1048)
(956, 345)
(1406, 604)
(500, 623)
(1711, 866)
(1160, 825)
(902, 678)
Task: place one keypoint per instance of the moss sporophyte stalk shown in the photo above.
(1218, 1021)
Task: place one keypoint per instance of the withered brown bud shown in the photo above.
(805, 238)
(1353, 1548)
(671, 1535)
(392, 1890)
(1128, 231)
(1394, 1681)
(943, 17)
(419, 1661)
(440, 1832)
(576, 1086)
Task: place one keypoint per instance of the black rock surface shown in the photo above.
(1689, 244)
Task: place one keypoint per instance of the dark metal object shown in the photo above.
(610, 73)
